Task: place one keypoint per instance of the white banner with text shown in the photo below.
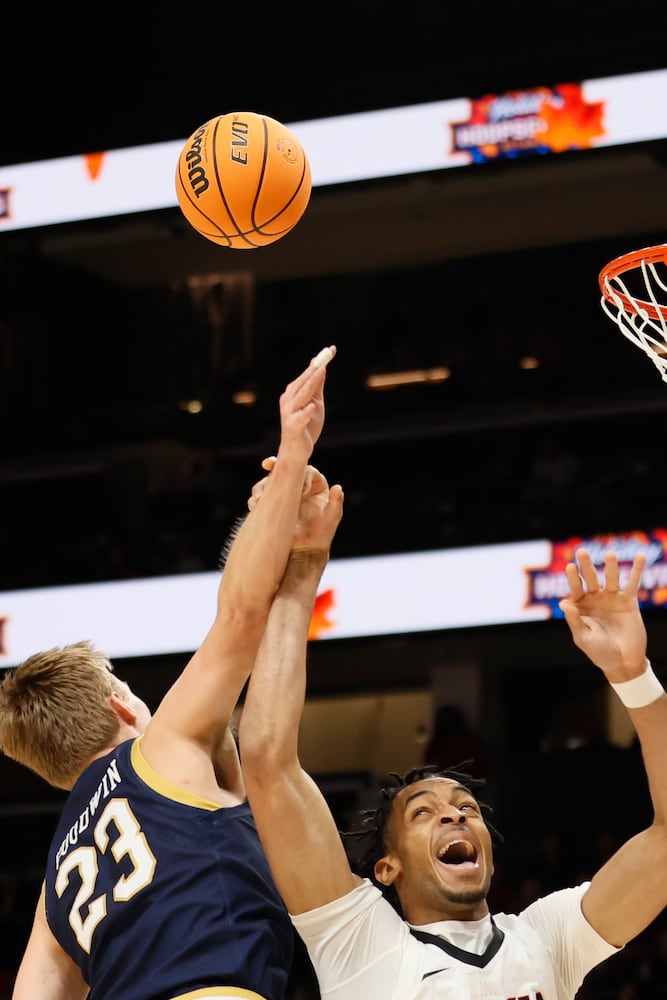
(373, 596)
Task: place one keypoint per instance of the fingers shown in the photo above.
(587, 571)
(332, 515)
(583, 572)
(322, 359)
(573, 618)
(314, 482)
(574, 581)
(634, 579)
(611, 579)
(258, 488)
(335, 506)
(256, 493)
(317, 530)
(313, 374)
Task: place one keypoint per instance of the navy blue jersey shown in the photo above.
(155, 892)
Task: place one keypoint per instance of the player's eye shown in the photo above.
(421, 811)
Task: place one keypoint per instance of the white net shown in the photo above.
(634, 296)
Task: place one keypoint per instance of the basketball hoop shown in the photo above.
(632, 286)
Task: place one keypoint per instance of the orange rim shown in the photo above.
(627, 262)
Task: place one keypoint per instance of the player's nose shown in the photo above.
(450, 814)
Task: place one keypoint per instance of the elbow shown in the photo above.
(237, 632)
(659, 826)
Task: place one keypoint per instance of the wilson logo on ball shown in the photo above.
(243, 180)
(196, 173)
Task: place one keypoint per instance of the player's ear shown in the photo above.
(386, 869)
(124, 711)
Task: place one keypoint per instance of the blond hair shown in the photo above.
(55, 714)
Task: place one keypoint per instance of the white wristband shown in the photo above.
(640, 691)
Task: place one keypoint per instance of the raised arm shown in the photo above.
(189, 726)
(294, 822)
(628, 893)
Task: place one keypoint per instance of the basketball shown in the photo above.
(243, 180)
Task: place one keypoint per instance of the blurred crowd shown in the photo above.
(171, 511)
(545, 427)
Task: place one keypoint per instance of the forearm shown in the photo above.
(650, 723)
(293, 819)
(625, 896)
(606, 624)
(641, 692)
(276, 692)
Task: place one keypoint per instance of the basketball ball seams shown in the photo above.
(216, 232)
(185, 195)
(297, 191)
(195, 208)
(260, 179)
(217, 173)
(243, 180)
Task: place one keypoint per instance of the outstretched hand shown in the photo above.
(302, 406)
(605, 620)
(320, 510)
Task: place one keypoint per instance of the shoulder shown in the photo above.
(558, 919)
(559, 904)
(346, 937)
(364, 904)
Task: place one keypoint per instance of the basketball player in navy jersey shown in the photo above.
(414, 922)
(156, 884)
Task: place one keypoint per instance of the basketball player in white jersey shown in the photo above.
(414, 923)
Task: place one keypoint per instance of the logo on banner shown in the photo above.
(320, 621)
(547, 585)
(94, 163)
(528, 122)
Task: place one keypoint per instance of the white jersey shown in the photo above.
(361, 949)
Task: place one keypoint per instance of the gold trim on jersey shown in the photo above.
(171, 791)
(220, 993)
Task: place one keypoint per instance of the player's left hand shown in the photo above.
(605, 620)
(320, 510)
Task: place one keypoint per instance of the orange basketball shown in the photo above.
(243, 180)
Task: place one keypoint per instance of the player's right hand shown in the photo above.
(302, 406)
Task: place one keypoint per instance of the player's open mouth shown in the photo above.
(458, 852)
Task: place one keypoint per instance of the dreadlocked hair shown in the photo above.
(370, 838)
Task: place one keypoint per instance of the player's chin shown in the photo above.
(471, 887)
(468, 895)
